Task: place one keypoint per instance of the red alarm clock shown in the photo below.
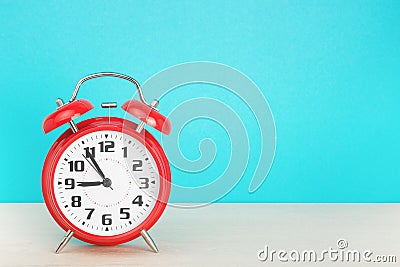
(106, 180)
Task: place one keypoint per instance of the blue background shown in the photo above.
(329, 70)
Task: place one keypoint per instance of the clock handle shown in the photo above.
(109, 74)
(150, 242)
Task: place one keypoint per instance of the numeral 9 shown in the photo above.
(69, 182)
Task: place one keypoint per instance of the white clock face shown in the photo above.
(106, 183)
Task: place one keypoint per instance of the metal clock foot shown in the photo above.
(149, 240)
(64, 241)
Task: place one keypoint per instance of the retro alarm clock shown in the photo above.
(106, 180)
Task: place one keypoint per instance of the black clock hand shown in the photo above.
(95, 166)
(89, 183)
(91, 164)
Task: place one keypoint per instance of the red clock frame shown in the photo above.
(93, 125)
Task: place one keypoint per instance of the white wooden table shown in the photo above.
(216, 235)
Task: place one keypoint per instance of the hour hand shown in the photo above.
(89, 183)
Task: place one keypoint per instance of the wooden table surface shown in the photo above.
(215, 235)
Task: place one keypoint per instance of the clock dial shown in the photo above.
(106, 183)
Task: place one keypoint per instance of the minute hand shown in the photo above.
(97, 166)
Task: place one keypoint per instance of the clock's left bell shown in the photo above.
(66, 113)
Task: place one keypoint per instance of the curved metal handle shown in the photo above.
(108, 74)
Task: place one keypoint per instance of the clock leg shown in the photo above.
(149, 240)
(64, 241)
